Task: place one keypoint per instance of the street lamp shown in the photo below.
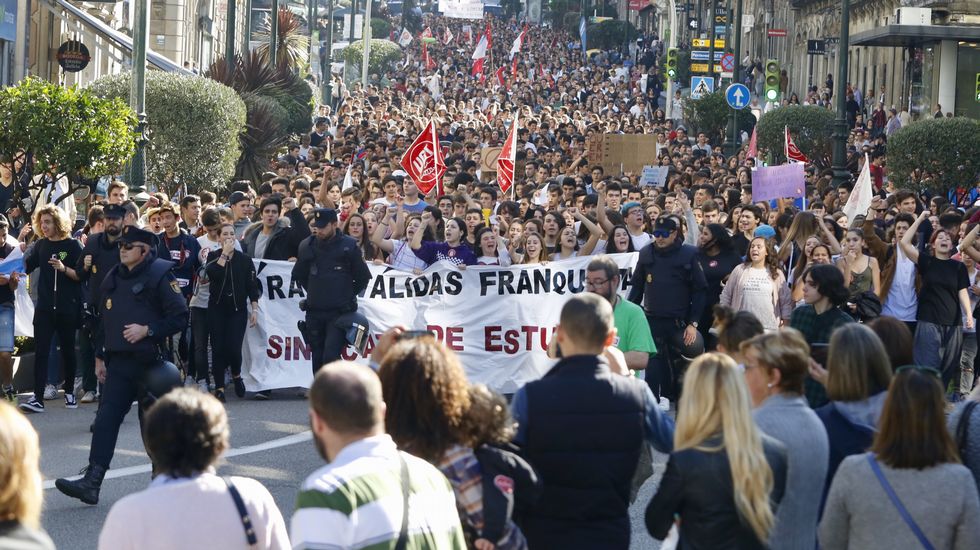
(137, 98)
(841, 173)
(732, 145)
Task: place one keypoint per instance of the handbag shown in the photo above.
(906, 517)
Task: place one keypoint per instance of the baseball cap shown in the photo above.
(323, 217)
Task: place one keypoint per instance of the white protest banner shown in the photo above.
(498, 319)
(654, 175)
(462, 9)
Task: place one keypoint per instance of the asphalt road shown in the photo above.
(270, 442)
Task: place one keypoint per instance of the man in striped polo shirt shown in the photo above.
(360, 497)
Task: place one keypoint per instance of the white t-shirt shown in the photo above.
(757, 294)
(902, 302)
(641, 240)
(201, 293)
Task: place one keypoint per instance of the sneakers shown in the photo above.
(263, 395)
(32, 405)
(70, 402)
(50, 392)
(220, 394)
(10, 394)
(239, 386)
(203, 386)
(89, 397)
(78, 389)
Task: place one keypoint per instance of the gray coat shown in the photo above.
(791, 421)
(942, 500)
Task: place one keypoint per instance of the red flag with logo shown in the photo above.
(427, 33)
(426, 58)
(499, 73)
(424, 161)
(753, 144)
(507, 158)
(792, 151)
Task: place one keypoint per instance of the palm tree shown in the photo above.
(292, 46)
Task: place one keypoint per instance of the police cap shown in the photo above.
(323, 217)
(114, 211)
(133, 234)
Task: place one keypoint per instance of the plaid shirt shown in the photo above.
(816, 329)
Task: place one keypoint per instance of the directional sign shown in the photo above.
(777, 32)
(703, 68)
(816, 47)
(728, 62)
(702, 55)
(737, 96)
(701, 86)
(705, 43)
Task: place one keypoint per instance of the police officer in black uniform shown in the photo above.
(331, 268)
(140, 305)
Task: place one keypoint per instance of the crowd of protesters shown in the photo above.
(811, 359)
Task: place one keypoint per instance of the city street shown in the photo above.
(270, 442)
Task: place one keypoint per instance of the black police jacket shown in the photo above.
(105, 256)
(670, 282)
(332, 272)
(146, 295)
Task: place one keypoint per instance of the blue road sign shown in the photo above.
(737, 96)
(702, 55)
(701, 86)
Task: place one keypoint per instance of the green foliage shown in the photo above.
(262, 138)
(570, 22)
(292, 45)
(511, 8)
(610, 34)
(949, 148)
(194, 124)
(380, 27)
(383, 56)
(710, 115)
(810, 126)
(557, 11)
(72, 129)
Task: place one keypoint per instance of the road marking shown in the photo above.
(146, 468)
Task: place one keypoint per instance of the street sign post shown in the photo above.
(737, 96)
(703, 68)
(728, 62)
(701, 86)
(816, 47)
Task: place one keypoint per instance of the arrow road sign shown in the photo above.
(737, 96)
(701, 86)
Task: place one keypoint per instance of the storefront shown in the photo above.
(8, 37)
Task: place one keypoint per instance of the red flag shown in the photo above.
(489, 36)
(792, 151)
(478, 67)
(513, 69)
(424, 161)
(507, 158)
(500, 76)
(426, 58)
(427, 33)
(753, 145)
(447, 37)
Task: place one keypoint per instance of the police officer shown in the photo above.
(331, 268)
(141, 305)
(670, 285)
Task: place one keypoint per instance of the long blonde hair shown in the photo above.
(716, 403)
(20, 477)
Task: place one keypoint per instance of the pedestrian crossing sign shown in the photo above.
(701, 86)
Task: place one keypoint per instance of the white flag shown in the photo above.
(481, 48)
(405, 39)
(516, 46)
(859, 201)
(348, 180)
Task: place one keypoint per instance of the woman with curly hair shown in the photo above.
(759, 286)
(428, 401)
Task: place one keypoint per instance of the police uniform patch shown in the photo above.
(175, 287)
(649, 278)
(108, 303)
(94, 270)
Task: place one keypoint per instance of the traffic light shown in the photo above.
(671, 63)
(772, 80)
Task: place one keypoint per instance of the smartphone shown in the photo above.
(411, 334)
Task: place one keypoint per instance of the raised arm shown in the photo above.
(600, 210)
(831, 239)
(594, 232)
(378, 237)
(906, 243)
(322, 197)
(966, 246)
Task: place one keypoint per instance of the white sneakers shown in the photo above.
(50, 392)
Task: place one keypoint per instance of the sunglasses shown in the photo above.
(924, 370)
(661, 233)
(129, 246)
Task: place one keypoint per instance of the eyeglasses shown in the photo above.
(925, 370)
(661, 233)
(594, 283)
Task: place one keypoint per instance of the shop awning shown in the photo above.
(904, 36)
(121, 40)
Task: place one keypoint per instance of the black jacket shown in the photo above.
(285, 238)
(105, 256)
(333, 273)
(510, 488)
(698, 486)
(234, 284)
(669, 283)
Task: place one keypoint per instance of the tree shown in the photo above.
(383, 56)
(292, 45)
(946, 148)
(194, 124)
(710, 115)
(380, 27)
(810, 126)
(611, 34)
(70, 131)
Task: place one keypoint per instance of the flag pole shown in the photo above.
(435, 156)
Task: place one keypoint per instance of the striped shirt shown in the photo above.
(356, 502)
